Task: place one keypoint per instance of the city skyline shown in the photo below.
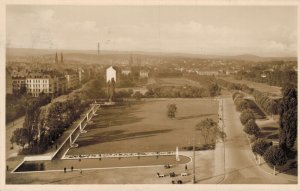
(267, 31)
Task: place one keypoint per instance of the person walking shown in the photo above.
(72, 168)
(80, 171)
(185, 167)
(65, 170)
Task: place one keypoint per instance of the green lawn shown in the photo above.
(178, 81)
(145, 127)
(262, 87)
(269, 129)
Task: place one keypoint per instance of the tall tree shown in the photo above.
(275, 156)
(246, 115)
(209, 129)
(288, 119)
(260, 146)
(171, 110)
(251, 128)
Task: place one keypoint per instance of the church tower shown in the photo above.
(56, 58)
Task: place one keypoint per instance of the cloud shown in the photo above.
(45, 28)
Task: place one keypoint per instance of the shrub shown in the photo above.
(251, 128)
(242, 105)
(246, 115)
(275, 156)
(260, 146)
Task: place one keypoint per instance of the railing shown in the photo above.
(69, 141)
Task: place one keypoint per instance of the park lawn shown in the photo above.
(256, 110)
(145, 127)
(269, 129)
(262, 87)
(177, 81)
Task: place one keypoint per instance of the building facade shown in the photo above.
(9, 83)
(144, 74)
(38, 82)
(111, 73)
(126, 72)
(72, 80)
(18, 81)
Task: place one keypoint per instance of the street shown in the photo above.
(240, 166)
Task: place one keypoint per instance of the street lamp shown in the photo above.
(194, 174)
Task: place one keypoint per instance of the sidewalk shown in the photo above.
(265, 167)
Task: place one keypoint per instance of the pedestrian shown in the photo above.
(65, 170)
(185, 167)
(72, 168)
(7, 168)
(55, 147)
(80, 171)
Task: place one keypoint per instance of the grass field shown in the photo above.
(145, 127)
(176, 82)
(276, 91)
(269, 129)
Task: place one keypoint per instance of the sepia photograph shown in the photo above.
(150, 94)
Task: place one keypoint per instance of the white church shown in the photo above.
(111, 73)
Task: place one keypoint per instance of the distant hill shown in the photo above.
(91, 55)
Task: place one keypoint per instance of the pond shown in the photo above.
(100, 163)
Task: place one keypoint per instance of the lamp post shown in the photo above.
(194, 174)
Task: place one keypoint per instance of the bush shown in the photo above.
(260, 146)
(137, 95)
(275, 156)
(246, 115)
(251, 128)
(241, 104)
(172, 109)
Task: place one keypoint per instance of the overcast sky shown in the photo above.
(263, 31)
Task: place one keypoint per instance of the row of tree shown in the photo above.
(43, 125)
(16, 105)
(156, 91)
(273, 155)
(44, 122)
(235, 86)
(274, 77)
(268, 104)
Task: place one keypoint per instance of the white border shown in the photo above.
(107, 187)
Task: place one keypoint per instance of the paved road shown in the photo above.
(240, 166)
(10, 127)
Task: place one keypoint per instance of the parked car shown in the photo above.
(172, 174)
(176, 181)
(184, 174)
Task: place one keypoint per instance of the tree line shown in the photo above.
(45, 123)
(274, 77)
(269, 104)
(157, 91)
(274, 155)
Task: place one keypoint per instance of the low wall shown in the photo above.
(39, 157)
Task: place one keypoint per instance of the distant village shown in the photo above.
(53, 74)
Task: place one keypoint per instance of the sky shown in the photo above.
(208, 30)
